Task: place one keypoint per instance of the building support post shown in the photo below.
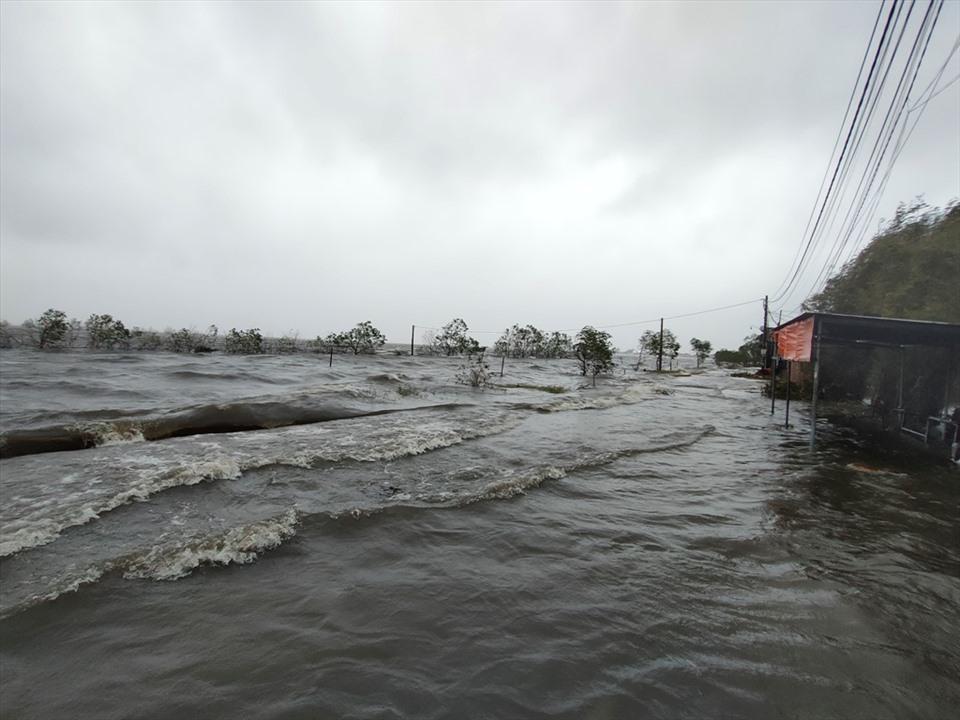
(773, 385)
(900, 393)
(946, 387)
(816, 387)
(786, 416)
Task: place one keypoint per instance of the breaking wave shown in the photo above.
(244, 543)
(29, 530)
(36, 524)
(201, 420)
(239, 545)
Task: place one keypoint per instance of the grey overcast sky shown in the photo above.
(308, 166)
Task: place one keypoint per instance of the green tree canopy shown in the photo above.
(701, 348)
(594, 352)
(53, 329)
(106, 333)
(650, 343)
(243, 342)
(909, 270)
(364, 338)
(453, 339)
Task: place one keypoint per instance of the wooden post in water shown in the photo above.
(773, 384)
(816, 385)
(331, 356)
(786, 415)
(503, 359)
(660, 353)
(413, 330)
(900, 410)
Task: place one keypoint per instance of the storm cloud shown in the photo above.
(307, 166)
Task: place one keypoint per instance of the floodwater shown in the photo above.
(268, 537)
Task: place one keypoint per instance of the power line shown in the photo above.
(836, 143)
(867, 195)
(901, 99)
(863, 95)
(887, 128)
(904, 138)
(874, 101)
(626, 324)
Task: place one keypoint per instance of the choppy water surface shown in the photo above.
(268, 537)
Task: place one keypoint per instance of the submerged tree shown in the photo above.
(106, 333)
(287, 344)
(594, 352)
(702, 349)
(145, 339)
(182, 341)
(364, 338)
(243, 342)
(749, 353)
(453, 339)
(651, 341)
(558, 345)
(187, 340)
(53, 327)
(530, 341)
(477, 373)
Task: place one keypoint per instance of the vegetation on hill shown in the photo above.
(909, 270)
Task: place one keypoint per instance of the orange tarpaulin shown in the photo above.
(795, 341)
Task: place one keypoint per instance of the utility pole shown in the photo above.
(766, 342)
(660, 352)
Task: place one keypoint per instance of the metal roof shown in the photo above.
(833, 328)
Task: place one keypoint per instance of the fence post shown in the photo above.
(773, 384)
(816, 384)
(786, 417)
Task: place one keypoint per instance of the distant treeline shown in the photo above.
(53, 331)
(591, 348)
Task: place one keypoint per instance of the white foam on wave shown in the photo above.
(518, 483)
(41, 520)
(34, 528)
(107, 433)
(63, 585)
(238, 545)
(633, 394)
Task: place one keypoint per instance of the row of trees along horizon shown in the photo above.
(909, 269)
(54, 331)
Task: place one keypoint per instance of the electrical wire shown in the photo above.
(887, 128)
(836, 143)
(853, 217)
(856, 220)
(621, 325)
(860, 103)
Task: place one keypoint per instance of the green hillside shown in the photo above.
(910, 270)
